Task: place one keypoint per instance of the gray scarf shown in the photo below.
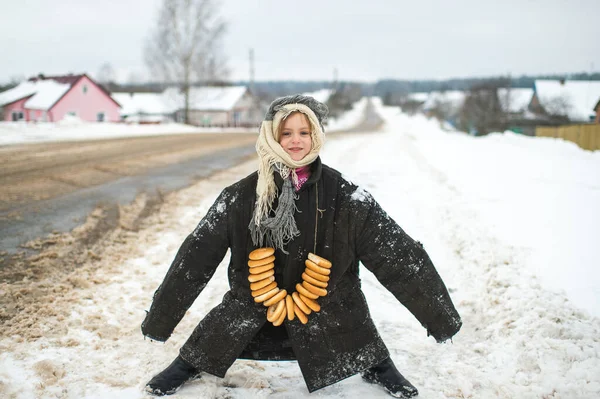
(280, 229)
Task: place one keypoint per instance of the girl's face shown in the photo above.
(295, 137)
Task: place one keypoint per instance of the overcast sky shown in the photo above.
(305, 40)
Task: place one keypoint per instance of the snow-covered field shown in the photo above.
(511, 222)
(74, 129)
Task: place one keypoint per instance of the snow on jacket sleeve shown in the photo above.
(403, 267)
(194, 265)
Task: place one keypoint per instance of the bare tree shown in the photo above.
(557, 108)
(184, 44)
(482, 110)
(106, 73)
(107, 76)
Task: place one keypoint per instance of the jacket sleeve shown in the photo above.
(403, 267)
(194, 265)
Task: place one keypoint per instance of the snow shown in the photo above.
(508, 220)
(75, 130)
(578, 97)
(143, 103)
(23, 90)
(207, 98)
(48, 93)
(419, 96)
(320, 95)
(515, 100)
(348, 119)
(451, 98)
(45, 93)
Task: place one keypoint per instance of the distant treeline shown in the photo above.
(414, 86)
(270, 89)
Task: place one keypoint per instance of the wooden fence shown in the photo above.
(585, 136)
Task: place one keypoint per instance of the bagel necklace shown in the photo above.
(280, 304)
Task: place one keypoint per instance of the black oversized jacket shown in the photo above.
(341, 339)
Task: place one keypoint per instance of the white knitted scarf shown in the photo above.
(272, 158)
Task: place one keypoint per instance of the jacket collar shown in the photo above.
(315, 174)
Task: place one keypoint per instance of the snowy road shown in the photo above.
(523, 337)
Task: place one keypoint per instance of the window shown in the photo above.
(84, 89)
(100, 117)
(17, 116)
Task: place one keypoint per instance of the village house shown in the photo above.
(444, 105)
(571, 101)
(209, 106)
(597, 110)
(145, 108)
(51, 98)
(515, 101)
(227, 106)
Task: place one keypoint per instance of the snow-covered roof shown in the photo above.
(45, 93)
(452, 98)
(420, 96)
(206, 98)
(144, 103)
(48, 94)
(514, 99)
(576, 98)
(320, 95)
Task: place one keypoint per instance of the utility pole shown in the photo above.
(335, 79)
(251, 84)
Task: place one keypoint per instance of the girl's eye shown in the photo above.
(305, 133)
(285, 133)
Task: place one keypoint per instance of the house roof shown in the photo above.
(514, 99)
(43, 93)
(144, 103)
(320, 95)
(419, 97)
(576, 98)
(206, 98)
(453, 98)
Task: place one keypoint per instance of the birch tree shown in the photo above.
(184, 44)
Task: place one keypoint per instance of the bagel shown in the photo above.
(289, 304)
(275, 310)
(276, 298)
(301, 316)
(257, 277)
(305, 309)
(319, 261)
(261, 253)
(312, 266)
(313, 281)
(266, 295)
(264, 289)
(260, 262)
(315, 290)
(281, 318)
(313, 305)
(262, 283)
(316, 275)
(301, 290)
(261, 269)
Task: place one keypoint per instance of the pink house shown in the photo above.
(51, 98)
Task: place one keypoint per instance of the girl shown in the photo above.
(297, 231)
